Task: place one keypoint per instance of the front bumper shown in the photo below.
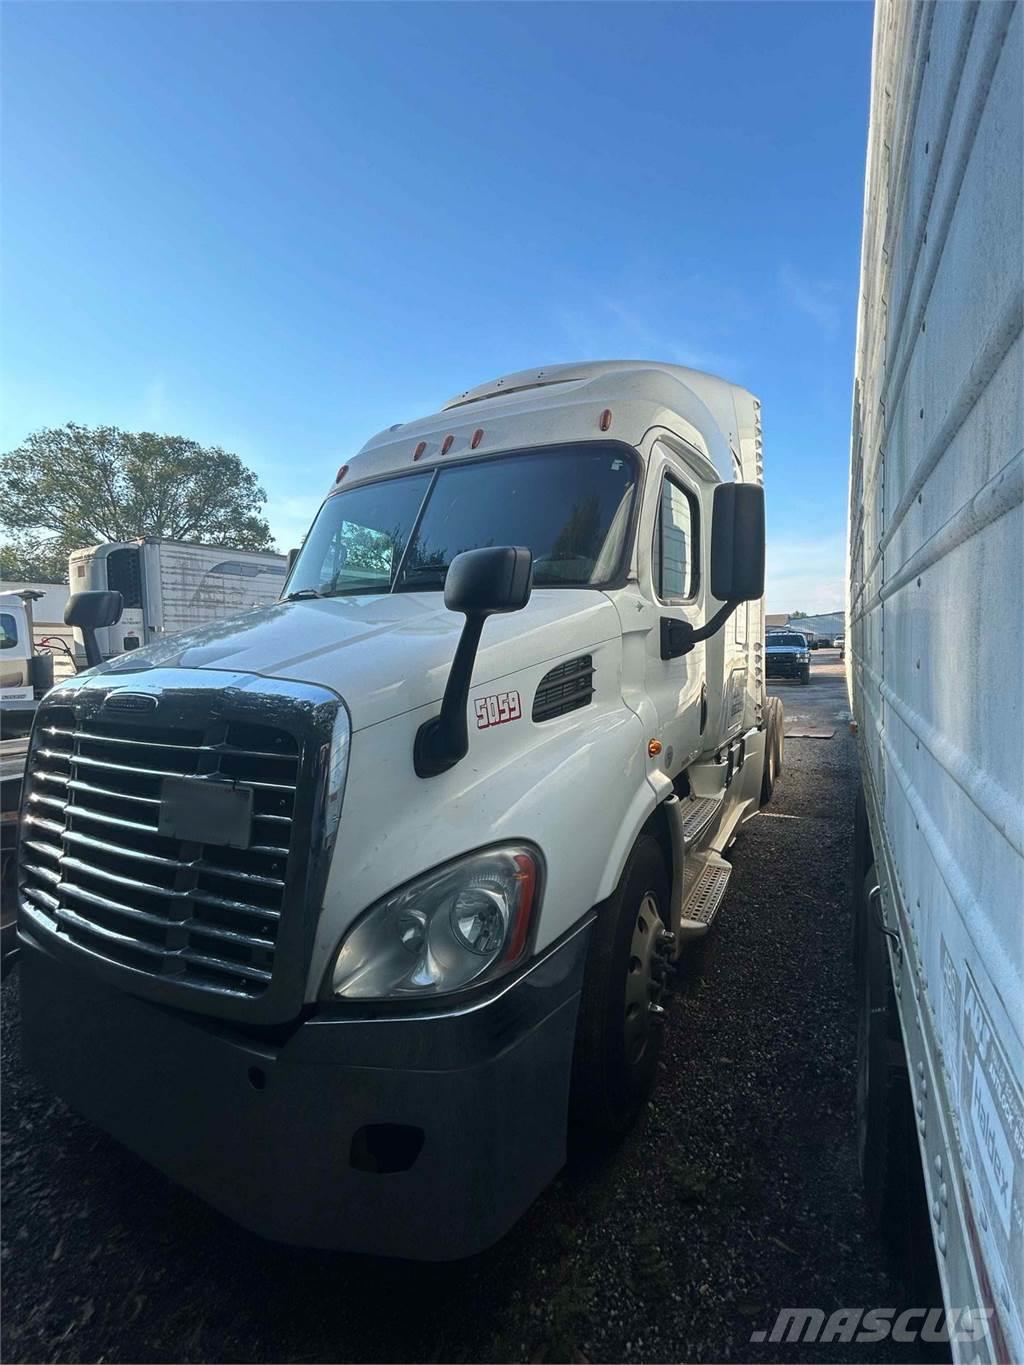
(784, 668)
(472, 1102)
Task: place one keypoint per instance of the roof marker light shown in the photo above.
(446, 444)
(606, 419)
(478, 436)
(419, 450)
(342, 471)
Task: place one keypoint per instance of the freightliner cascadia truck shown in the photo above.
(341, 912)
(933, 642)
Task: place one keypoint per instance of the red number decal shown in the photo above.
(497, 710)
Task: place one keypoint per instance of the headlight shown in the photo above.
(337, 771)
(455, 927)
(803, 658)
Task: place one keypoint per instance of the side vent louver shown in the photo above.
(566, 688)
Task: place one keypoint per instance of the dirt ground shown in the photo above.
(736, 1195)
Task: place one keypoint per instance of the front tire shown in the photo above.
(805, 676)
(618, 1035)
(772, 750)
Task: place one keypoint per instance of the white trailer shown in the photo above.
(336, 912)
(935, 616)
(173, 585)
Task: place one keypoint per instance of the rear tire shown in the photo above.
(618, 1037)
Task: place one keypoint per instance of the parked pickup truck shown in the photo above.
(341, 911)
(787, 655)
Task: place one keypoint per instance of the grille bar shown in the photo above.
(96, 868)
(93, 738)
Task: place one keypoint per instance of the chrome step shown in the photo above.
(704, 894)
(698, 815)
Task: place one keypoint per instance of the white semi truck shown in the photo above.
(340, 912)
(934, 655)
(172, 585)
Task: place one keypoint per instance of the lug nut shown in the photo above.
(656, 1010)
(666, 938)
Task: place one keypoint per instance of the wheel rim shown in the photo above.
(641, 983)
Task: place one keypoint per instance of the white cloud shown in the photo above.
(660, 322)
(806, 575)
(818, 299)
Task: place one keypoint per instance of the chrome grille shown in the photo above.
(95, 869)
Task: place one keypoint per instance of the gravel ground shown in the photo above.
(737, 1194)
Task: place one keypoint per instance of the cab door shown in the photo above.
(676, 686)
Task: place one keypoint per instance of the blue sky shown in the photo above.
(280, 228)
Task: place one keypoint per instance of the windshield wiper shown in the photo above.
(302, 595)
(419, 572)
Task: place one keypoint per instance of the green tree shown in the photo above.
(797, 615)
(65, 487)
(33, 561)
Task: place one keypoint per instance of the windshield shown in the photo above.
(569, 504)
(789, 639)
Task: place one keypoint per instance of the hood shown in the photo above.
(386, 654)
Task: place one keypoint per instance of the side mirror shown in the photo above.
(737, 543)
(89, 611)
(737, 564)
(479, 583)
(483, 582)
(292, 556)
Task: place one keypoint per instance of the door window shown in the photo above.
(675, 558)
(8, 630)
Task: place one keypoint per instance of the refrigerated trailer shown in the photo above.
(934, 643)
(172, 585)
(342, 911)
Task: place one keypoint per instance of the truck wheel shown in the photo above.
(772, 749)
(805, 676)
(886, 1141)
(618, 1035)
(780, 738)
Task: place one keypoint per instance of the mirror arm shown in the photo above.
(93, 653)
(679, 637)
(443, 741)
